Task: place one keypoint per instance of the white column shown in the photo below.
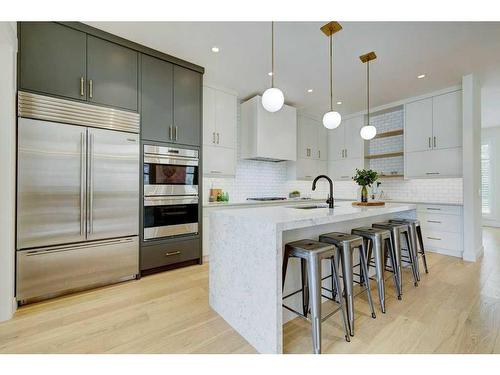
(471, 101)
(8, 51)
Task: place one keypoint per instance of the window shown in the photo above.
(486, 179)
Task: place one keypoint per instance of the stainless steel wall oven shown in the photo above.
(171, 198)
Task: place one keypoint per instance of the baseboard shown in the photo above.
(475, 256)
(452, 253)
(205, 258)
(14, 305)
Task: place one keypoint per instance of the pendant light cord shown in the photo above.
(368, 92)
(272, 53)
(331, 73)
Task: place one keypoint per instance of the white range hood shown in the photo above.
(268, 136)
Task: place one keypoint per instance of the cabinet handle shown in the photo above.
(342, 155)
(431, 173)
(346, 152)
(433, 209)
(82, 86)
(344, 176)
(430, 146)
(434, 142)
(319, 154)
(170, 132)
(307, 152)
(175, 133)
(217, 138)
(172, 253)
(91, 89)
(213, 137)
(215, 172)
(434, 238)
(434, 221)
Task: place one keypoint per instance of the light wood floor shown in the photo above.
(455, 309)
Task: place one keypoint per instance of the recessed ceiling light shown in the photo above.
(270, 74)
(339, 102)
(309, 90)
(421, 76)
(215, 49)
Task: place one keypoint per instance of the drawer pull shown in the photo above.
(172, 253)
(431, 173)
(433, 209)
(215, 172)
(344, 176)
(434, 221)
(434, 238)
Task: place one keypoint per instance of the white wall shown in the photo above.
(492, 137)
(8, 50)
(471, 100)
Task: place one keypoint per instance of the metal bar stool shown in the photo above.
(415, 235)
(397, 231)
(347, 243)
(379, 241)
(311, 253)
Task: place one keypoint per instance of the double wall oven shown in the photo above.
(170, 192)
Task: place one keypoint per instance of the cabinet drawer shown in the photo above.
(158, 255)
(440, 223)
(434, 164)
(439, 209)
(442, 240)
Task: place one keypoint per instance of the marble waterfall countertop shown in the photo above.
(246, 250)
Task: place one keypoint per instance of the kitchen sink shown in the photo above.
(312, 207)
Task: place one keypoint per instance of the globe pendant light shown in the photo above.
(331, 119)
(368, 131)
(273, 98)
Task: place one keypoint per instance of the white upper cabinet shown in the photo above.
(311, 150)
(447, 120)
(418, 125)
(336, 143)
(354, 144)
(225, 109)
(219, 132)
(433, 136)
(434, 123)
(266, 135)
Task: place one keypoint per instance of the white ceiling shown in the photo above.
(444, 51)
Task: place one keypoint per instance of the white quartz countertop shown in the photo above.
(287, 217)
(262, 203)
(456, 203)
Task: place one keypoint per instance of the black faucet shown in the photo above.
(330, 197)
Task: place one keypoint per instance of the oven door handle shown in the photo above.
(163, 201)
(173, 160)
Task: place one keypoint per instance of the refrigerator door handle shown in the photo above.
(90, 211)
(83, 170)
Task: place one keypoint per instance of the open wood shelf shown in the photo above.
(391, 133)
(387, 155)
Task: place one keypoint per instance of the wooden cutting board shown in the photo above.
(372, 203)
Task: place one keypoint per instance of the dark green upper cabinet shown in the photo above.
(187, 106)
(112, 72)
(156, 99)
(52, 59)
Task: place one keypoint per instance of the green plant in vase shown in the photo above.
(364, 178)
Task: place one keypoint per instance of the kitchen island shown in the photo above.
(246, 260)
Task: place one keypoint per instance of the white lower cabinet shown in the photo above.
(442, 228)
(434, 164)
(219, 161)
(343, 170)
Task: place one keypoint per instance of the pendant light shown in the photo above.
(368, 131)
(273, 98)
(331, 119)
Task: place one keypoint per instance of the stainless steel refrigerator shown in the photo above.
(77, 196)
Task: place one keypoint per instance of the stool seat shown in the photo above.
(369, 232)
(390, 225)
(308, 247)
(338, 237)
